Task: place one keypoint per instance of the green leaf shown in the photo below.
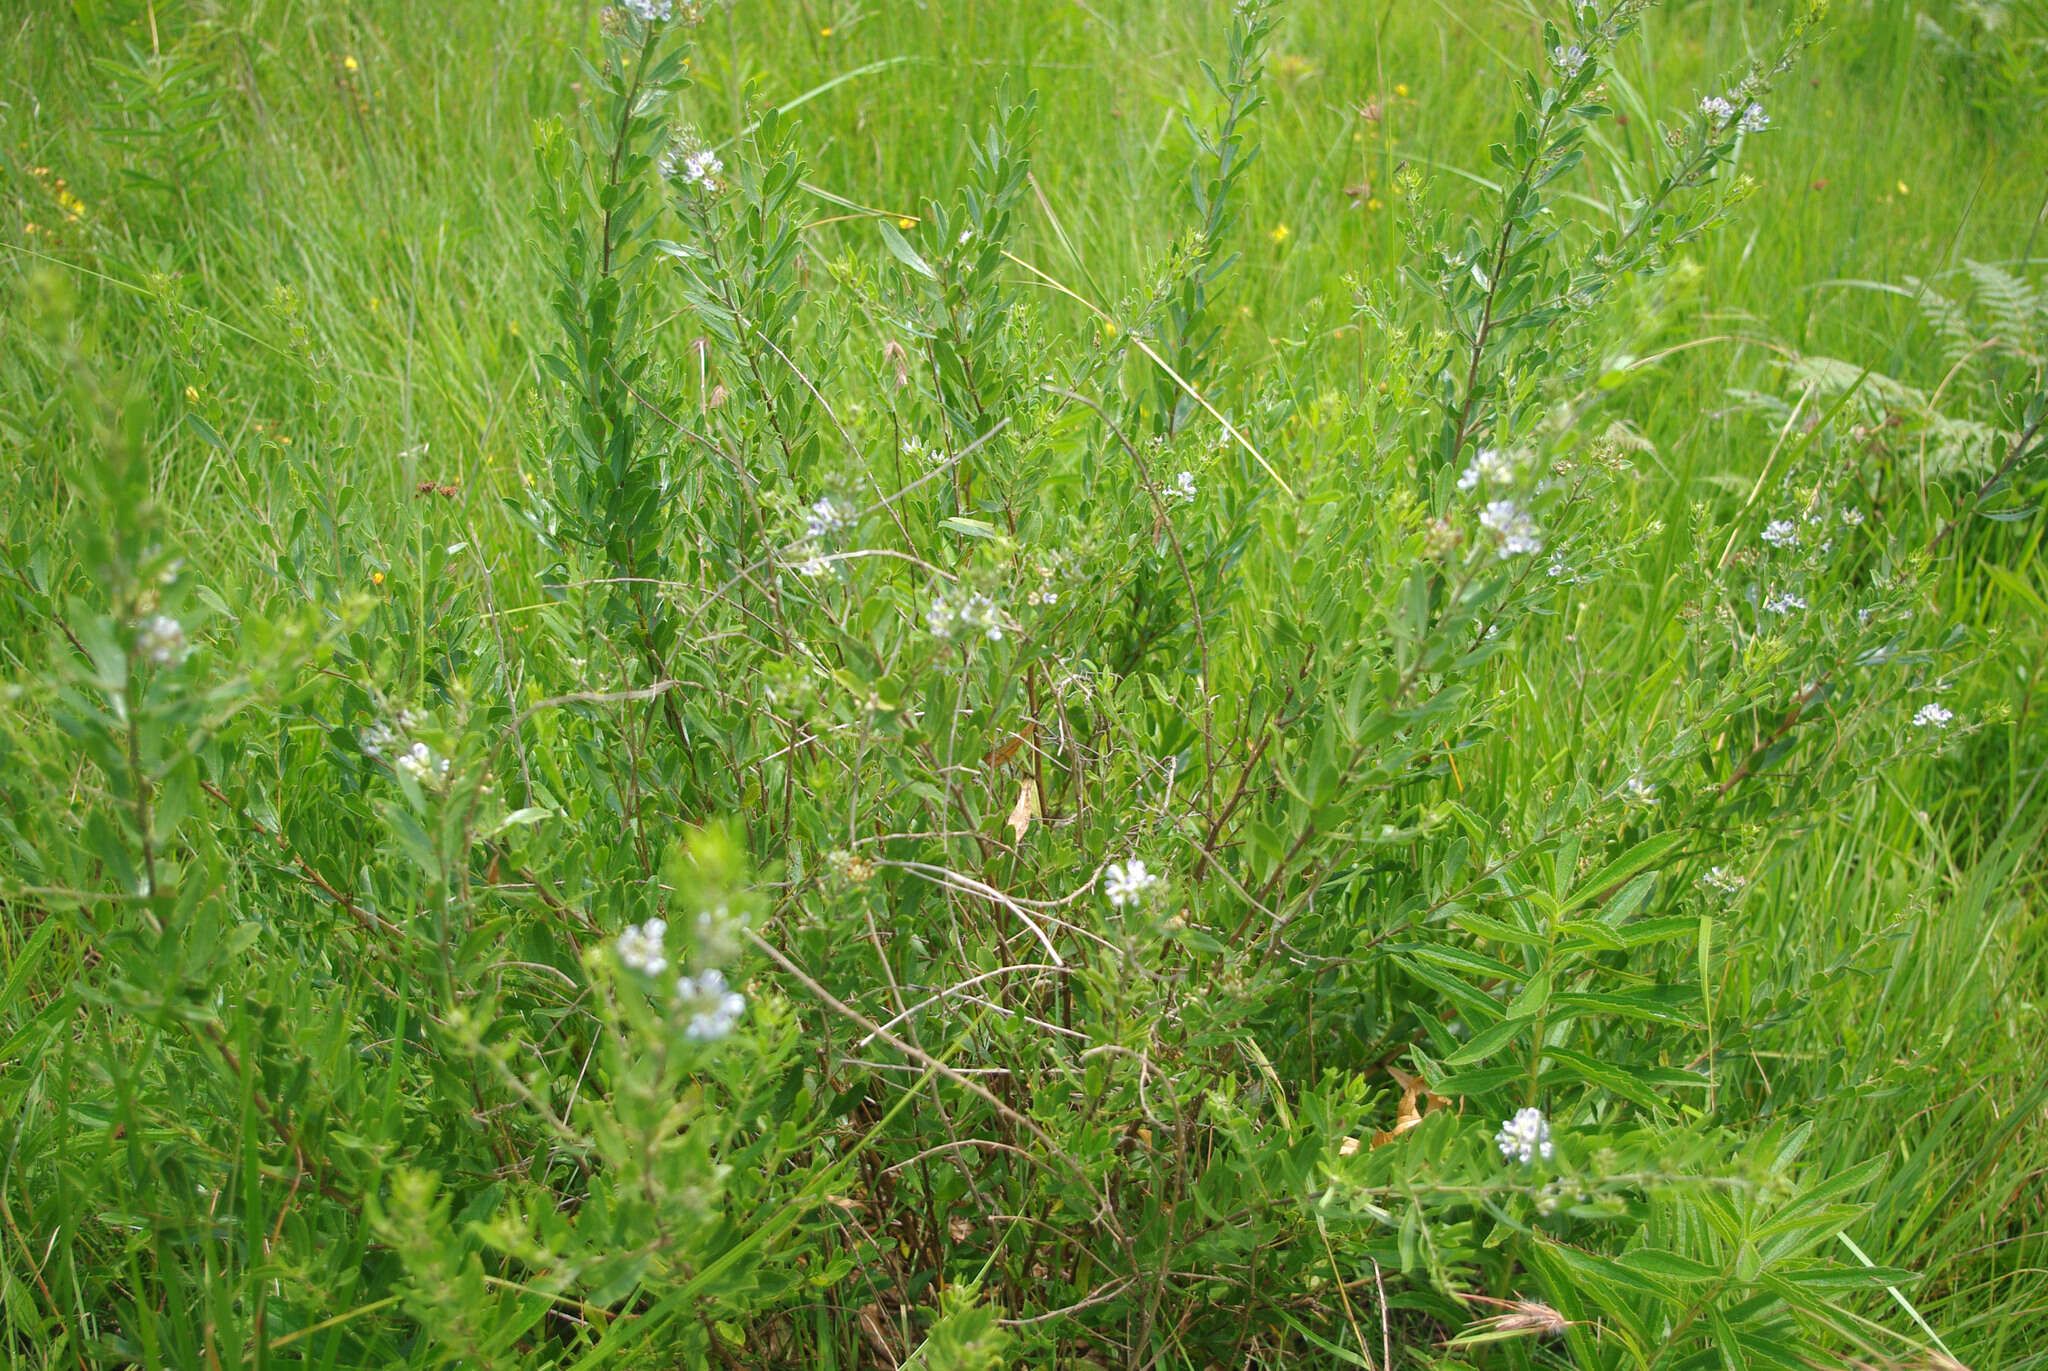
(1668, 1266)
(899, 247)
(1490, 1041)
(1644, 855)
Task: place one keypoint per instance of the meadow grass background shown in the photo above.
(337, 203)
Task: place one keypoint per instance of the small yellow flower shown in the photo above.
(349, 63)
(825, 32)
(1401, 91)
(1279, 233)
(1109, 327)
(31, 229)
(191, 395)
(1374, 203)
(904, 221)
(1903, 190)
(376, 578)
(285, 438)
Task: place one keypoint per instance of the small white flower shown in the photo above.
(717, 932)
(1754, 120)
(690, 162)
(1784, 602)
(1511, 524)
(422, 763)
(916, 451)
(1781, 533)
(1932, 715)
(824, 518)
(1722, 879)
(1525, 1137)
(713, 1005)
(976, 613)
(1128, 883)
(1570, 60)
(1852, 516)
(1717, 109)
(1637, 791)
(161, 639)
(650, 11)
(814, 567)
(1184, 488)
(1489, 465)
(375, 739)
(640, 947)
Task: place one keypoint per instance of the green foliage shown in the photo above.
(956, 805)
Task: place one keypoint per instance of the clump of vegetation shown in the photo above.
(949, 809)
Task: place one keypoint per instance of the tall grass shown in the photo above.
(1034, 448)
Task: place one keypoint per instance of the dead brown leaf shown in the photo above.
(1416, 1100)
(1025, 810)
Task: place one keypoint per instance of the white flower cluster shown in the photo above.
(1569, 60)
(717, 934)
(1183, 488)
(1720, 110)
(824, 518)
(976, 613)
(1781, 533)
(1490, 466)
(713, 1006)
(640, 947)
(1932, 715)
(1722, 879)
(1784, 602)
(423, 764)
(1128, 883)
(1051, 570)
(161, 639)
(1637, 791)
(1852, 516)
(918, 451)
(1525, 1137)
(393, 744)
(690, 162)
(651, 11)
(1513, 527)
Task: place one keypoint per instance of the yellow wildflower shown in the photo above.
(1279, 233)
